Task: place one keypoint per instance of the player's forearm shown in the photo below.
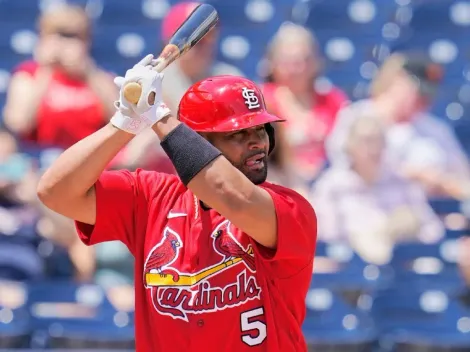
(219, 184)
(79, 167)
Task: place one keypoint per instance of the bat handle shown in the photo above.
(133, 90)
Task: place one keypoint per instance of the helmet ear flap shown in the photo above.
(271, 135)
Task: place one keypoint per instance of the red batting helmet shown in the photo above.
(225, 104)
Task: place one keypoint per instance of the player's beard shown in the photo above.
(255, 176)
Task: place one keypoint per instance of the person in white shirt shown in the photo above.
(364, 203)
(421, 146)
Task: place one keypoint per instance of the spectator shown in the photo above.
(365, 203)
(422, 147)
(61, 85)
(294, 65)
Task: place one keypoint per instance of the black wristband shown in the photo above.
(188, 151)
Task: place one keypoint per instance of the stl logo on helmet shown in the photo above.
(176, 293)
(251, 100)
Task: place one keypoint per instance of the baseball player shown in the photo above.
(223, 258)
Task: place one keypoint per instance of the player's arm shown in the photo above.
(216, 182)
(67, 187)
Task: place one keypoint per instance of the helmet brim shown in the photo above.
(242, 122)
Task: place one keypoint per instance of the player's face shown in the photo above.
(246, 149)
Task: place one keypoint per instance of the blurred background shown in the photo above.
(376, 97)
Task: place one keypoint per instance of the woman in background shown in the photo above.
(293, 66)
(62, 84)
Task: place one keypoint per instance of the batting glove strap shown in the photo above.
(157, 112)
(133, 125)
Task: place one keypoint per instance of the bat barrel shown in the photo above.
(194, 28)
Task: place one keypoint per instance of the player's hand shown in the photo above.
(151, 83)
(143, 113)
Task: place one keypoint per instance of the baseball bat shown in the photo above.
(194, 28)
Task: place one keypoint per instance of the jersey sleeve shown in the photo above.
(122, 200)
(296, 229)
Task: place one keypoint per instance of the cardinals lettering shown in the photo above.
(180, 302)
(228, 282)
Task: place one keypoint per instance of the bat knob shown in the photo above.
(132, 92)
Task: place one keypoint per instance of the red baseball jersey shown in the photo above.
(201, 284)
(69, 110)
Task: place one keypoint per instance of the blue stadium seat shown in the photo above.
(118, 47)
(345, 54)
(15, 327)
(16, 43)
(20, 262)
(444, 206)
(462, 130)
(350, 15)
(22, 233)
(420, 317)
(19, 12)
(347, 271)
(66, 314)
(331, 322)
(142, 12)
(417, 265)
(15, 331)
(251, 14)
(57, 262)
(238, 47)
(438, 16)
(86, 335)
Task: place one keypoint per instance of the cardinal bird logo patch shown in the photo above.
(163, 254)
(177, 293)
(227, 246)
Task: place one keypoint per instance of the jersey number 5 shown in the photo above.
(253, 329)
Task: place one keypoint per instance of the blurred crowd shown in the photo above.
(370, 167)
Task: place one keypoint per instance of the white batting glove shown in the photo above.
(134, 118)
